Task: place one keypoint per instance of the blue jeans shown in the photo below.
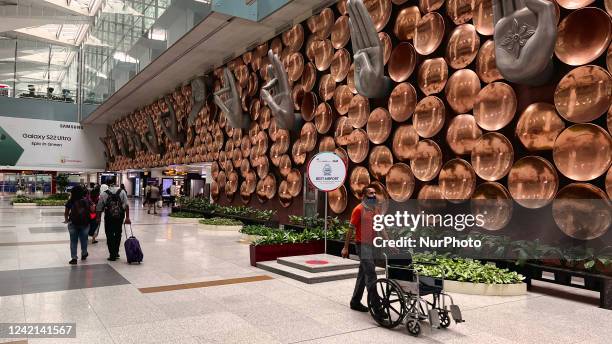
(78, 233)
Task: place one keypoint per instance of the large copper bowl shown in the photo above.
(462, 134)
(405, 140)
(338, 200)
(609, 183)
(341, 63)
(400, 182)
(533, 182)
(308, 136)
(343, 131)
(379, 125)
(430, 198)
(539, 126)
(381, 160)
(341, 33)
(492, 156)
(327, 144)
(298, 152)
(457, 180)
(427, 160)
(483, 17)
(323, 118)
(293, 38)
(429, 116)
(309, 105)
(284, 197)
(342, 99)
(583, 36)
(327, 86)
(582, 211)
(584, 94)
(294, 181)
(359, 111)
(462, 46)
(323, 54)
(429, 33)
(430, 5)
(461, 90)
(358, 180)
(493, 203)
(358, 146)
(495, 106)
(583, 152)
(402, 62)
(406, 22)
(574, 4)
(432, 76)
(402, 102)
(380, 11)
(460, 11)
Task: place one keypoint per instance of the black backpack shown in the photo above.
(113, 207)
(79, 212)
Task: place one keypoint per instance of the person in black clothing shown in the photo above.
(77, 216)
(114, 204)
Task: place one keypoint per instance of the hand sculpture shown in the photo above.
(122, 144)
(199, 93)
(110, 156)
(525, 34)
(277, 95)
(169, 123)
(150, 138)
(232, 107)
(134, 138)
(370, 79)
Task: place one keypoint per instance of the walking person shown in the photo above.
(94, 228)
(362, 223)
(77, 215)
(114, 204)
(154, 196)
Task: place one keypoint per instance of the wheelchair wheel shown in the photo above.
(413, 327)
(390, 307)
(444, 319)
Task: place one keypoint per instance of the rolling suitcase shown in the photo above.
(133, 252)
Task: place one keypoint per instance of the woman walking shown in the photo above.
(77, 216)
(94, 197)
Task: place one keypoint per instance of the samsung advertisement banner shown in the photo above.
(34, 144)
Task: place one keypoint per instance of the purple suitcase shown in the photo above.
(133, 252)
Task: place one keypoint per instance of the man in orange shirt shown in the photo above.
(362, 222)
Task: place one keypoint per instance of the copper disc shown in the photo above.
(427, 160)
(308, 136)
(485, 63)
(341, 152)
(380, 11)
(402, 102)
(583, 152)
(492, 201)
(214, 169)
(380, 161)
(533, 182)
(263, 166)
(462, 46)
(214, 190)
(462, 134)
(461, 90)
(293, 38)
(495, 106)
(340, 65)
(430, 198)
(379, 125)
(231, 186)
(295, 66)
(298, 152)
(269, 185)
(297, 95)
(338, 200)
(324, 52)
(430, 5)
(432, 76)
(321, 24)
(406, 23)
(284, 197)
(460, 11)
(428, 118)
(341, 33)
(284, 165)
(610, 120)
(250, 180)
(309, 77)
(483, 17)
(382, 196)
(400, 182)
(358, 147)
(429, 33)
(327, 86)
(583, 36)
(575, 4)
(343, 131)
(359, 179)
(245, 167)
(457, 180)
(584, 94)
(492, 156)
(405, 140)
(323, 118)
(350, 79)
(342, 99)
(327, 144)
(245, 146)
(539, 126)
(582, 211)
(609, 183)
(342, 7)
(265, 118)
(359, 110)
(386, 44)
(294, 181)
(309, 106)
(609, 58)
(260, 146)
(402, 62)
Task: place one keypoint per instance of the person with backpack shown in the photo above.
(77, 216)
(154, 196)
(114, 203)
(94, 197)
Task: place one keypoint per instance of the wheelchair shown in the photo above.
(400, 296)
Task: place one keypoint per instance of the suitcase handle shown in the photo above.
(125, 230)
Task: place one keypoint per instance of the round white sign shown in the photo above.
(326, 171)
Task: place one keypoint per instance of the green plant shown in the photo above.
(64, 196)
(22, 199)
(62, 182)
(464, 270)
(49, 202)
(257, 230)
(185, 215)
(279, 237)
(221, 221)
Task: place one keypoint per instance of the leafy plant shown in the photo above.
(221, 221)
(185, 215)
(49, 202)
(256, 230)
(280, 237)
(203, 205)
(22, 199)
(62, 182)
(63, 196)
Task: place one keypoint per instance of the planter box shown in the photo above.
(245, 220)
(485, 289)
(261, 253)
(221, 228)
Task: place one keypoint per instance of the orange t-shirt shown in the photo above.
(363, 221)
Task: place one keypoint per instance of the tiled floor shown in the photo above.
(180, 253)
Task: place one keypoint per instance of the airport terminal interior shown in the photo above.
(301, 171)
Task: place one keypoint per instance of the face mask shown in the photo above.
(370, 201)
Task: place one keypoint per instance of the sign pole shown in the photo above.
(325, 223)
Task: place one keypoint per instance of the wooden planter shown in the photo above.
(261, 253)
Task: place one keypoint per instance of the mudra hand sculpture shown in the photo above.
(232, 107)
(525, 33)
(370, 79)
(277, 95)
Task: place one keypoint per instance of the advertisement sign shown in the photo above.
(50, 145)
(327, 171)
